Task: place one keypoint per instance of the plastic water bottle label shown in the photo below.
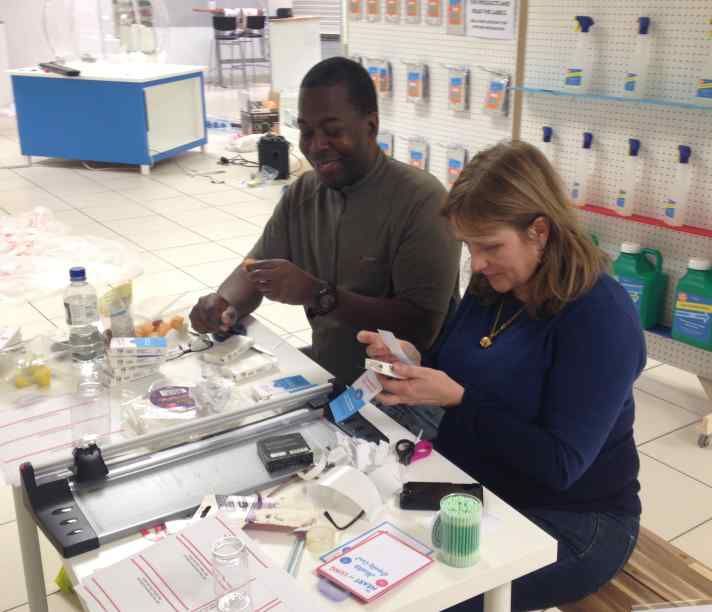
(574, 76)
(80, 314)
(704, 88)
(631, 81)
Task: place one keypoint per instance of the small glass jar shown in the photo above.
(231, 575)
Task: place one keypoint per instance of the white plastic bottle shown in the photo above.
(676, 202)
(579, 71)
(624, 202)
(547, 143)
(704, 83)
(82, 316)
(582, 173)
(636, 79)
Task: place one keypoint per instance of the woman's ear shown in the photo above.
(539, 231)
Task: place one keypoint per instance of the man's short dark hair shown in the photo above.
(338, 70)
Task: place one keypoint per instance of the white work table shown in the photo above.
(511, 545)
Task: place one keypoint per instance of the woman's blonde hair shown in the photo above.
(512, 184)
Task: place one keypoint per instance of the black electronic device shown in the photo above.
(289, 451)
(284, 13)
(59, 69)
(358, 426)
(273, 151)
(427, 495)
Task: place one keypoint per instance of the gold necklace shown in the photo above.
(487, 341)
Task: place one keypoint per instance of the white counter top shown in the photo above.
(125, 73)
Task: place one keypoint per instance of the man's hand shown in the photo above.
(421, 386)
(212, 313)
(282, 281)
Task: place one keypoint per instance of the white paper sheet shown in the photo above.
(176, 575)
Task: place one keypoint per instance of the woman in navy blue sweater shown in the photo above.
(535, 372)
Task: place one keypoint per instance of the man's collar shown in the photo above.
(370, 177)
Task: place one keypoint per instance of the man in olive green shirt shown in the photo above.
(358, 242)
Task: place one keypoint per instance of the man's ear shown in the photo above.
(373, 122)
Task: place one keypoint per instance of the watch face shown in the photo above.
(327, 302)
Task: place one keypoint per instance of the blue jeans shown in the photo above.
(593, 546)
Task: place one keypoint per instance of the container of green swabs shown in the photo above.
(456, 531)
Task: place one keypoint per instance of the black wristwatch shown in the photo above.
(324, 301)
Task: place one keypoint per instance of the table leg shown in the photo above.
(203, 148)
(705, 425)
(145, 169)
(29, 159)
(31, 554)
(499, 599)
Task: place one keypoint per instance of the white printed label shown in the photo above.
(79, 314)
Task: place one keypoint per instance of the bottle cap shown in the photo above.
(77, 274)
(643, 25)
(698, 263)
(633, 147)
(632, 248)
(584, 23)
(548, 133)
(587, 140)
(685, 154)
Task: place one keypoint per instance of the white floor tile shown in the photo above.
(19, 200)
(58, 602)
(113, 212)
(169, 206)
(679, 450)
(260, 220)
(655, 417)
(171, 282)
(242, 245)
(228, 198)
(11, 181)
(152, 263)
(155, 232)
(697, 543)
(96, 200)
(148, 192)
(20, 314)
(676, 386)
(247, 210)
(275, 328)
(213, 273)
(291, 318)
(203, 217)
(13, 592)
(236, 228)
(662, 490)
(72, 218)
(196, 254)
(196, 185)
(272, 193)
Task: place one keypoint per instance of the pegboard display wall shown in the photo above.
(401, 43)
(679, 49)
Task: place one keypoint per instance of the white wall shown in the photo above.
(26, 44)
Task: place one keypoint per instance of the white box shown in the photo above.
(155, 346)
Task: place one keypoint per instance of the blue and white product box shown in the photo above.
(139, 346)
(280, 386)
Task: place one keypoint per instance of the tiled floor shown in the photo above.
(189, 233)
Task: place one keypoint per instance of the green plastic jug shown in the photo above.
(692, 315)
(643, 280)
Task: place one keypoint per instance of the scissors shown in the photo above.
(409, 450)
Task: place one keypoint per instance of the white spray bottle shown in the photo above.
(579, 72)
(636, 79)
(676, 202)
(624, 202)
(584, 167)
(704, 83)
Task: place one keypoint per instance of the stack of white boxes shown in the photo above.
(129, 359)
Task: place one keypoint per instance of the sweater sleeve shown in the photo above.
(598, 352)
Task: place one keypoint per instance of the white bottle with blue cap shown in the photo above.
(676, 201)
(582, 173)
(704, 83)
(636, 78)
(624, 202)
(547, 143)
(579, 71)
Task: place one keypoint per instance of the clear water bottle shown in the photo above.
(82, 315)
